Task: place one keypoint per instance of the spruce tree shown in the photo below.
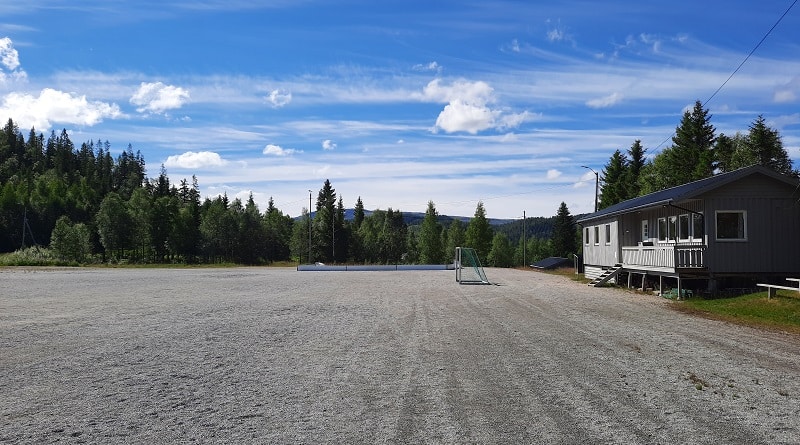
(429, 241)
(691, 155)
(636, 161)
(614, 187)
(767, 147)
(563, 240)
(479, 233)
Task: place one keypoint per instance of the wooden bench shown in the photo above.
(771, 288)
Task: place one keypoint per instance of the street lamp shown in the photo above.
(309, 226)
(596, 186)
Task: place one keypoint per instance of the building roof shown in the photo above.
(685, 191)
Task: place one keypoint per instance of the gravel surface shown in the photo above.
(264, 355)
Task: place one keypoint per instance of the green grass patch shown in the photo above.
(781, 312)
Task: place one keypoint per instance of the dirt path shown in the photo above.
(280, 356)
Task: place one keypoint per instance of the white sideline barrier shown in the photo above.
(373, 268)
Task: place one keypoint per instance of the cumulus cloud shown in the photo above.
(605, 102)
(327, 144)
(56, 106)
(277, 150)
(157, 98)
(279, 98)
(468, 107)
(192, 159)
(461, 116)
(9, 61)
(553, 174)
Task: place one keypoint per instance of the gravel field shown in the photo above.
(265, 355)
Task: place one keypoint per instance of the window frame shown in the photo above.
(586, 239)
(663, 231)
(596, 235)
(743, 230)
(684, 218)
(698, 222)
(608, 234)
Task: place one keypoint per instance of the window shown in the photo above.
(608, 233)
(732, 225)
(597, 234)
(586, 236)
(698, 231)
(684, 228)
(645, 230)
(662, 229)
(673, 228)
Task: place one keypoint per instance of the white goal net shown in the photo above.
(468, 267)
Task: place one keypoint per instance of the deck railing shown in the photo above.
(664, 256)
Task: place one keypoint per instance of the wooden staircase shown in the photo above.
(606, 275)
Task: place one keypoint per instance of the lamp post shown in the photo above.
(596, 185)
(309, 226)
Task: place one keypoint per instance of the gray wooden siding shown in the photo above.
(599, 252)
(773, 228)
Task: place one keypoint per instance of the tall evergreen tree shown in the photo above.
(430, 237)
(563, 240)
(455, 238)
(325, 223)
(479, 233)
(636, 161)
(691, 155)
(614, 188)
(766, 146)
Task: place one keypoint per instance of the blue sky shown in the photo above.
(397, 102)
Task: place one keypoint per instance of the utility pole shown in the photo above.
(309, 226)
(524, 262)
(596, 186)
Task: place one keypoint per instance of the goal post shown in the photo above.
(468, 267)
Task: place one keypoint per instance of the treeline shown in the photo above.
(385, 237)
(696, 152)
(88, 206)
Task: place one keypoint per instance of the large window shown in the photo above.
(698, 226)
(732, 225)
(684, 229)
(667, 229)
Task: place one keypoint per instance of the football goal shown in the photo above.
(468, 267)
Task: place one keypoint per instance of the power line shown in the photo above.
(755, 48)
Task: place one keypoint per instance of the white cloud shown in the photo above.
(460, 116)
(155, 97)
(9, 56)
(431, 66)
(192, 159)
(277, 150)
(52, 106)
(553, 174)
(515, 45)
(605, 102)
(468, 108)
(327, 144)
(788, 92)
(279, 98)
(559, 34)
(9, 61)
